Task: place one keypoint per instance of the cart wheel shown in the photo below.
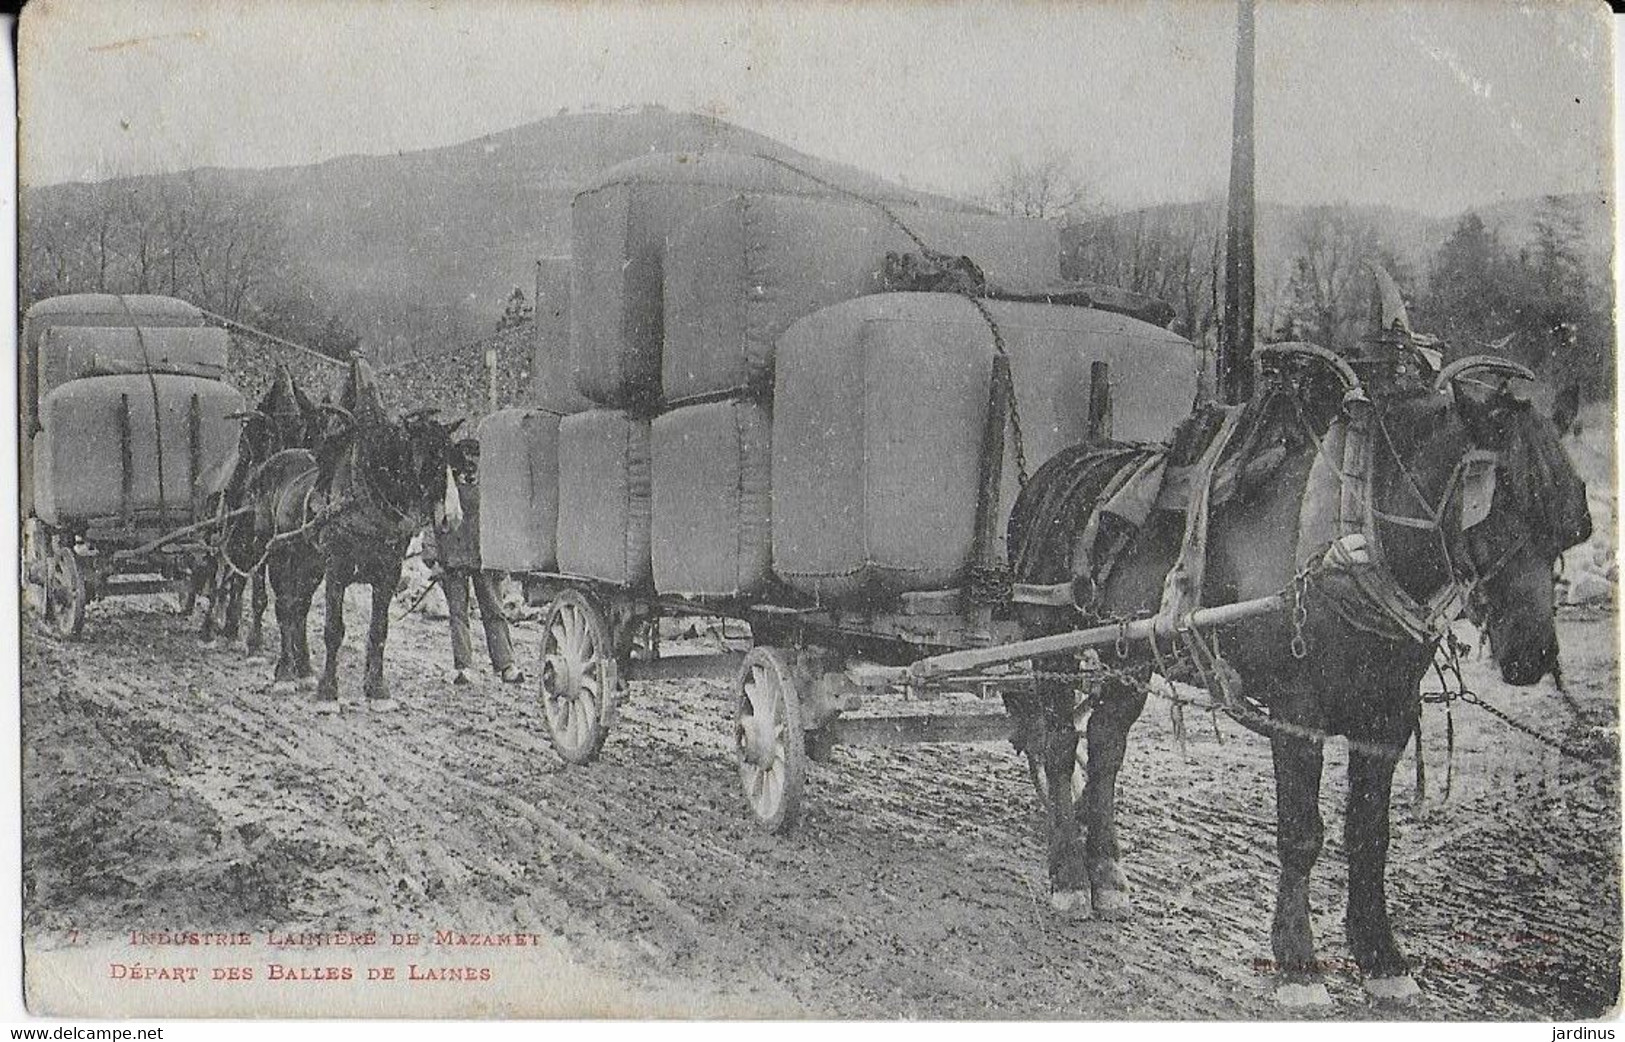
(64, 593)
(769, 741)
(580, 677)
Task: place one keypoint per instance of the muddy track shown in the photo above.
(165, 786)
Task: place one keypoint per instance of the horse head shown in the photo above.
(434, 459)
(1515, 518)
(292, 420)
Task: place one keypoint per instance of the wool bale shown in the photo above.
(106, 310)
(712, 502)
(80, 457)
(552, 374)
(879, 406)
(620, 224)
(603, 528)
(80, 309)
(519, 490)
(70, 352)
(739, 272)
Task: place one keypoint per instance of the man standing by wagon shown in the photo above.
(455, 552)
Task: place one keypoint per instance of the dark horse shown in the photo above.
(1336, 662)
(345, 514)
(284, 418)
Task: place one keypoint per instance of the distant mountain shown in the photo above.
(421, 249)
(427, 245)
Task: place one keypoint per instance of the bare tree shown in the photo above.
(1328, 289)
(1171, 253)
(1050, 187)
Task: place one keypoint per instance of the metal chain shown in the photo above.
(1300, 613)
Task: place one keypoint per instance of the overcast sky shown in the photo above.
(1434, 106)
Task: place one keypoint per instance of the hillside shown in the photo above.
(423, 247)
(417, 251)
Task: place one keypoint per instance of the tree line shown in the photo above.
(187, 236)
(1542, 298)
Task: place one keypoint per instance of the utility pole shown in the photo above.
(1236, 341)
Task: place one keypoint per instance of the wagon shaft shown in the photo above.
(1061, 643)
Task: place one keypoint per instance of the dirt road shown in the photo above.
(165, 788)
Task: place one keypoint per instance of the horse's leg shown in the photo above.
(327, 688)
(1299, 833)
(1365, 838)
(375, 685)
(1056, 739)
(288, 624)
(1107, 734)
(205, 630)
(310, 577)
(231, 625)
(256, 617)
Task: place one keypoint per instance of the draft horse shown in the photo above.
(344, 514)
(284, 418)
(1343, 662)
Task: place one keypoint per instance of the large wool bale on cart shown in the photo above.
(603, 528)
(740, 272)
(70, 352)
(879, 408)
(552, 373)
(104, 310)
(81, 309)
(105, 451)
(620, 224)
(519, 490)
(712, 513)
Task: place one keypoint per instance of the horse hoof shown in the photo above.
(382, 705)
(1293, 995)
(1400, 991)
(283, 687)
(207, 645)
(306, 683)
(1074, 904)
(327, 707)
(1113, 905)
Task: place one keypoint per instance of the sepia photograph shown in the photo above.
(984, 510)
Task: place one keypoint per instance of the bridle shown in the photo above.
(1462, 565)
(1380, 604)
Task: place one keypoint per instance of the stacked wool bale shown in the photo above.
(737, 273)
(80, 310)
(881, 403)
(845, 467)
(133, 419)
(519, 446)
(691, 486)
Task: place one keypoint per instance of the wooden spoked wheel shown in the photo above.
(580, 677)
(769, 742)
(64, 593)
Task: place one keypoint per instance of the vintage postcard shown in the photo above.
(977, 510)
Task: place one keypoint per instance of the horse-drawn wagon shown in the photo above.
(791, 409)
(780, 422)
(128, 436)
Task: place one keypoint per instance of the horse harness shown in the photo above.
(1343, 552)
